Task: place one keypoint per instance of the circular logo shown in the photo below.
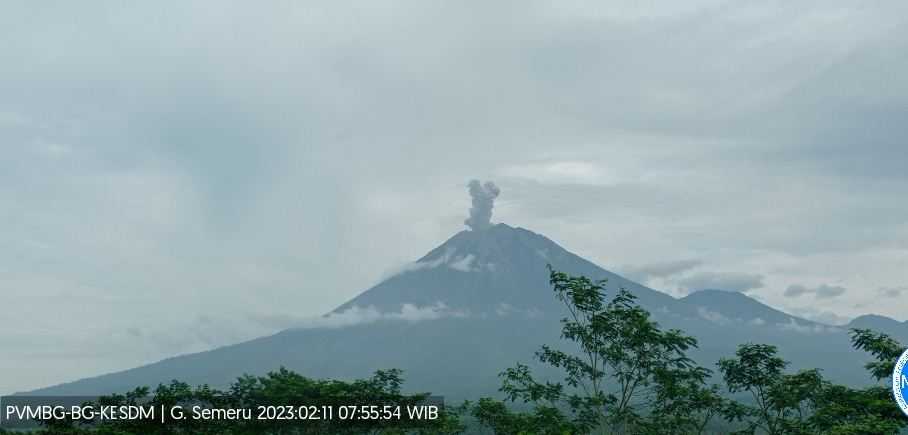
(900, 382)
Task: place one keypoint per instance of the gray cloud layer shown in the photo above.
(662, 270)
(163, 163)
(892, 292)
(823, 291)
(730, 281)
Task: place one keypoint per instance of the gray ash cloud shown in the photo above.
(483, 195)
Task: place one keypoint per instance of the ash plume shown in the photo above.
(483, 200)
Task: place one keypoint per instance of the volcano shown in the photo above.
(481, 271)
(475, 305)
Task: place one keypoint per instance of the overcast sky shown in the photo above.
(178, 176)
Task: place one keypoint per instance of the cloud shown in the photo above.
(661, 270)
(463, 264)
(418, 265)
(829, 291)
(730, 281)
(823, 291)
(505, 310)
(713, 316)
(363, 315)
(796, 290)
(559, 172)
(892, 292)
(794, 326)
(483, 199)
(821, 316)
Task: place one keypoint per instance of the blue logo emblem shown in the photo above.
(900, 382)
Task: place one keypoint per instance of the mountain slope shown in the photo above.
(896, 329)
(492, 308)
(737, 306)
(479, 270)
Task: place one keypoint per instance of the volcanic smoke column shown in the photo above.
(483, 200)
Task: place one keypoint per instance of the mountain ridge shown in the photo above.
(500, 248)
(497, 278)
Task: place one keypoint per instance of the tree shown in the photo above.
(544, 420)
(627, 375)
(804, 402)
(758, 371)
(848, 411)
(622, 366)
(684, 403)
(885, 349)
(282, 388)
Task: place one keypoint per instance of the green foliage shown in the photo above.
(758, 371)
(623, 367)
(847, 411)
(885, 349)
(495, 415)
(804, 402)
(624, 374)
(842, 410)
(684, 404)
(627, 375)
(280, 388)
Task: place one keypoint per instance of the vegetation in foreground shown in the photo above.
(624, 375)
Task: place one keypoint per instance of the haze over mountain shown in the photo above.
(477, 304)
